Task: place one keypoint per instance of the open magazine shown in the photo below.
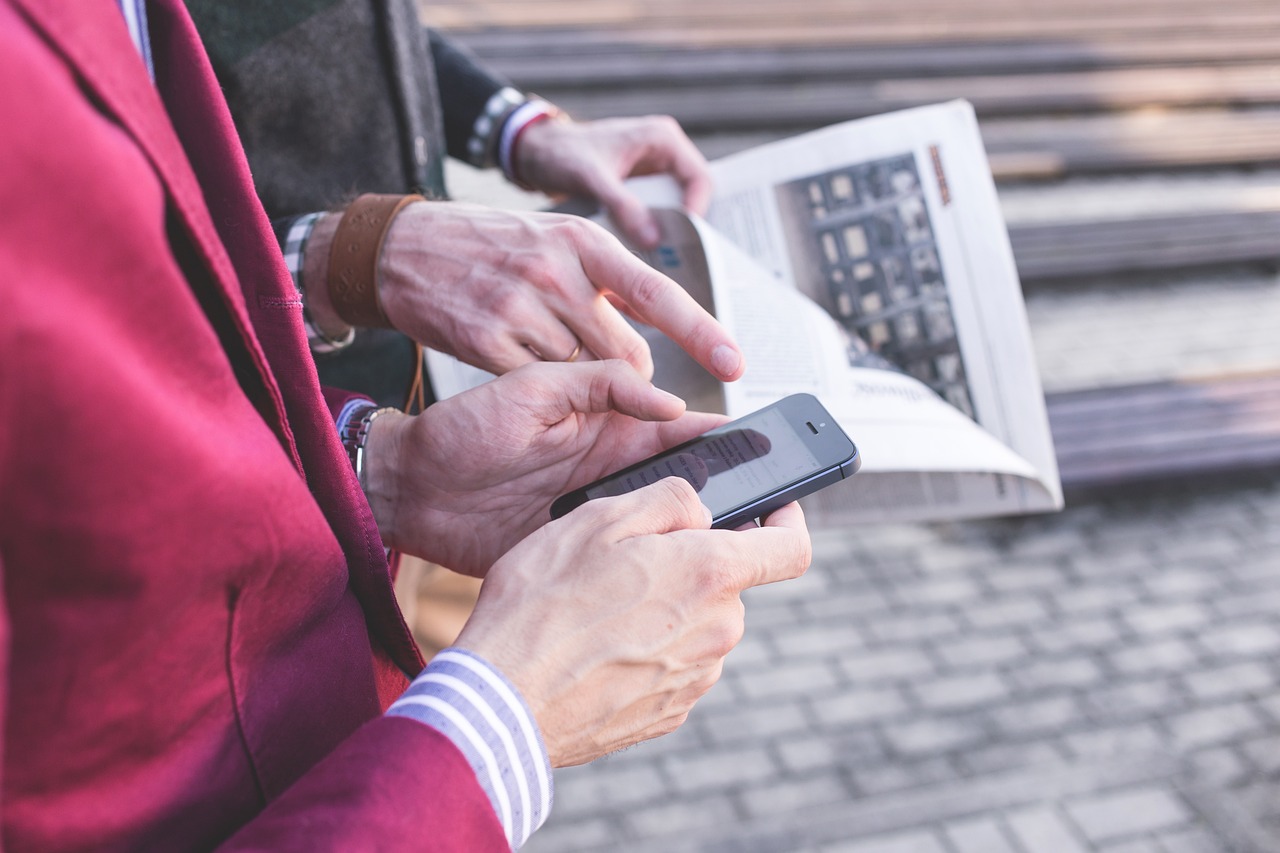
(867, 264)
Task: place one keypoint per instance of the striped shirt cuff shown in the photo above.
(462, 696)
(516, 122)
(482, 146)
(294, 247)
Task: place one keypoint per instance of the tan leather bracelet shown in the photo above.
(353, 258)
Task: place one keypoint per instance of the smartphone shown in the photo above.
(747, 468)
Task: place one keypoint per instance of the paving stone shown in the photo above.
(1134, 700)
(979, 835)
(1230, 681)
(846, 604)
(1214, 725)
(558, 836)
(587, 789)
(1180, 584)
(718, 768)
(681, 815)
(1119, 740)
(1140, 846)
(787, 796)
(755, 722)
(1194, 840)
(1161, 656)
(902, 775)
(1262, 753)
(984, 650)
(1011, 578)
(859, 707)
(1255, 602)
(903, 842)
(815, 751)
(1242, 640)
(1043, 829)
(1008, 756)
(935, 591)
(1131, 811)
(822, 639)
(1152, 621)
(934, 736)
(1092, 598)
(961, 691)
(912, 627)
(1220, 767)
(1076, 635)
(798, 679)
(1068, 672)
(1007, 612)
(1271, 706)
(1039, 716)
(881, 665)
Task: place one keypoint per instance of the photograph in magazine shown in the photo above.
(862, 247)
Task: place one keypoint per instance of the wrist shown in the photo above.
(315, 275)
(514, 150)
(379, 468)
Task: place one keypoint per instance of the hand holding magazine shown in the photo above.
(866, 264)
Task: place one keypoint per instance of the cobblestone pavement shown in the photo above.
(1105, 679)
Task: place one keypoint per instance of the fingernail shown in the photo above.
(706, 514)
(726, 360)
(650, 235)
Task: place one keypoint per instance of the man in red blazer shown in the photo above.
(200, 645)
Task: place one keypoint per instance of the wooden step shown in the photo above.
(1068, 250)
(1127, 435)
(811, 105)
(628, 64)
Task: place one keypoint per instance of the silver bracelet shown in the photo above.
(355, 434)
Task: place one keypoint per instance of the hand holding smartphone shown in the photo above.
(747, 468)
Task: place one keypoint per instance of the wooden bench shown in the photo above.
(1162, 431)
(1074, 250)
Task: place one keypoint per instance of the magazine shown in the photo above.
(868, 264)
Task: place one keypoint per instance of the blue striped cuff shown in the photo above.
(466, 699)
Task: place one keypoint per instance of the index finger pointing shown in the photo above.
(662, 303)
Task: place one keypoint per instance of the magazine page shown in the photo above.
(892, 225)
(922, 458)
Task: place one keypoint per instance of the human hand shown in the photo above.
(613, 620)
(592, 159)
(464, 481)
(499, 289)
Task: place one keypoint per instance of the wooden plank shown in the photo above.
(1022, 149)
(734, 31)
(1053, 148)
(751, 107)
(628, 65)
(1133, 434)
(1078, 249)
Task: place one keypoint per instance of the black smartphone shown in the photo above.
(747, 468)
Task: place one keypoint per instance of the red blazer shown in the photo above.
(199, 631)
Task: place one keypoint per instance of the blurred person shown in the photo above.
(201, 646)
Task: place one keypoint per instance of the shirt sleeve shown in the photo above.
(462, 696)
(293, 233)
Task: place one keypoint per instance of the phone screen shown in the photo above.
(728, 467)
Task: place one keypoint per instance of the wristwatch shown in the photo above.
(355, 433)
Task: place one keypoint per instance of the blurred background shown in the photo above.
(1103, 679)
